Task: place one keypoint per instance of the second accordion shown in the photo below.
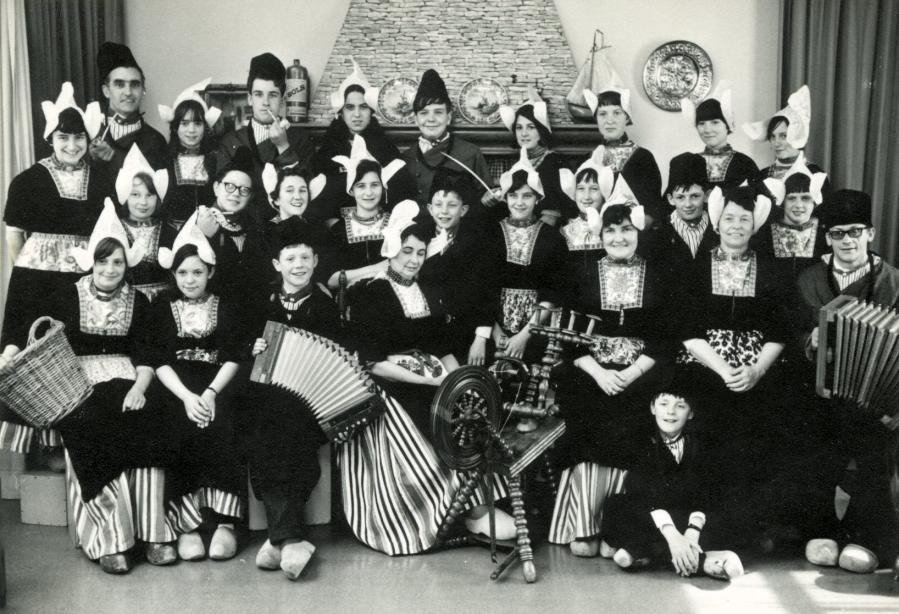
(321, 374)
(858, 355)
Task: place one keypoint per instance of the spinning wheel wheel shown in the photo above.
(464, 413)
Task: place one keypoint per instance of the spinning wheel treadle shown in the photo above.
(467, 403)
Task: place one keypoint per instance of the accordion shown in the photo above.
(321, 374)
(858, 355)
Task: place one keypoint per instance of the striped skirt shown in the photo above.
(396, 492)
(186, 514)
(583, 490)
(129, 508)
(18, 438)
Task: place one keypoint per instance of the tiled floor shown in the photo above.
(45, 575)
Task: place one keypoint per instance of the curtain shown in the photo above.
(16, 150)
(63, 39)
(847, 51)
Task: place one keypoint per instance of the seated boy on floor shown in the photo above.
(285, 436)
(660, 515)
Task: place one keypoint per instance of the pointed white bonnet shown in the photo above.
(270, 182)
(108, 226)
(623, 195)
(358, 153)
(92, 116)
(338, 97)
(210, 114)
(541, 114)
(190, 234)
(402, 216)
(135, 163)
(723, 93)
(717, 202)
(605, 175)
(523, 164)
(798, 113)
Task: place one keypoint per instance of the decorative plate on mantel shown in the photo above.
(480, 100)
(675, 70)
(395, 100)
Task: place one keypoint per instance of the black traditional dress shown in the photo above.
(190, 185)
(640, 170)
(56, 208)
(396, 492)
(357, 242)
(338, 141)
(195, 337)
(115, 484)
(148, 276)
(737, 304)
(631, 300)
(727, 168)
(532, 254)
(121, 136)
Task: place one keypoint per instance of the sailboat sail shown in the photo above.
(596, 71)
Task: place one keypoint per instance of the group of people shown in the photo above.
(693, 429)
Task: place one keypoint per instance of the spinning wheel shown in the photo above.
(464, 413)
(468, 436)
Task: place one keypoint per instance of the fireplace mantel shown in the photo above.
(494, 140)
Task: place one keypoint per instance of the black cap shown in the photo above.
(294, 231)
(708, 110)
(846, 207)
(242, 161)
(685, 170)
(114, 55)
(431, 90)
(449, 180)
(268, 68)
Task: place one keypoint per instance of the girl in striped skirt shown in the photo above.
(196, 363)
(115, 483)
(396, 492)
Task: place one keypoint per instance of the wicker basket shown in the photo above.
(46, 382)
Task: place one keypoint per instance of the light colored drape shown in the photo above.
(16, 144)
(848, 53)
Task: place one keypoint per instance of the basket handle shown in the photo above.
(54, 324)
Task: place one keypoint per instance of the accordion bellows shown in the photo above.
(321, 374)
(862, 339)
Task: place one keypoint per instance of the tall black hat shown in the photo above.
(449, 180)
(431, 90)
(686, 169)
(242, 161)
(114, 55)
(266, 67)
(846, 207)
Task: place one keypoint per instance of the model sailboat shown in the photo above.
(596, 70)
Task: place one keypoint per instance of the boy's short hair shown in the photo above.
(685, 396)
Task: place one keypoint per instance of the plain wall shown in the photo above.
(179, 42)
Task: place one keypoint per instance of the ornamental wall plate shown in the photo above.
(395, 100)
(675, 70)
(480, 100)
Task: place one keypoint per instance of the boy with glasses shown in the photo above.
(867, 538)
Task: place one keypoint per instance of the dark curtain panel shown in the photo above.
(848, 53)
(63, 39)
